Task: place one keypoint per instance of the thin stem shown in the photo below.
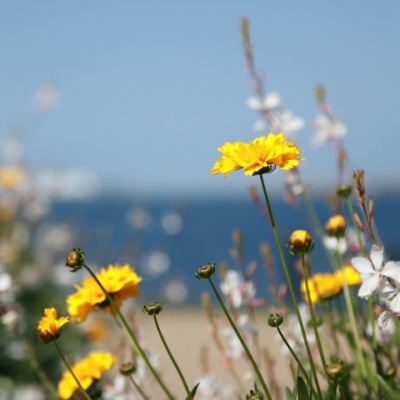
(172, 359)
(299, 363)
(138, 388)
(71, 371)
(311, 308)
(353, 324)
(243, 343)
(291, 289)
(131, 335)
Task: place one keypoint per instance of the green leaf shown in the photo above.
(289, 394)
(193, 392)
(302, 389)
(330, 394)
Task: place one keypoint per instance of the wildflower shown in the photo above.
(236, 289)
(300, 242)
(75, 259)
(275, 320)
(87, 372)
(373, 271)
(260, 155)
(11, 177)
(120, 282)
(49, 326)
(268, 102)
(336, 226)
(205, 271)
(350, 274)
(153, 308)
(328, 129)
(322, 286)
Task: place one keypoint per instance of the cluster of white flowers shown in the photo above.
(381, 279)
(274, 117)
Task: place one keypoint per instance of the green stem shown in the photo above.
(299, 363)
(138, 388)
(291, 289)
(352, 320)
(311, 308)
(69, 368)
(173, 359)
(131, 335)
(243, 343)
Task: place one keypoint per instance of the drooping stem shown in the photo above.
(131, 334)
(290, 287)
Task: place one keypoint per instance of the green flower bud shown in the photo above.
(206, 271)
(127, 369)
(75, 259)
(343, 191)
(153, 308)
(275, 320)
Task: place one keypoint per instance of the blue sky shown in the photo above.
(149, 90)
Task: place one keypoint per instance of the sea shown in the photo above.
(167, 240)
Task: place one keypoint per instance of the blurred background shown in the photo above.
(111, 116)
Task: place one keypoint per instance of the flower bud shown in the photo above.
(390, 372)
(205, 271)
(255, 395)
(275, 320)
(75, 259)
(343, 191)
(300, 242)
(153, 308)
(336, 226)
(127, 369)
(336, 371)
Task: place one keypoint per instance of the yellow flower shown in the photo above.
(322, 286)
(11, 177)
(262, 152)
(49, 326)
(119, 281)
(87, 371)
(336, 226)
(351, 275)
(300, 242)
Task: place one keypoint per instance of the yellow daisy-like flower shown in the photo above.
(87, 371)
(322, 286)
(262, 152)
(11, 177)
(120, 281)
(49, 326)
(350, 274)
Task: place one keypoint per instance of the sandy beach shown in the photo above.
(188, 335)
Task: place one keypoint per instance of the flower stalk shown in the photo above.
(132, 336)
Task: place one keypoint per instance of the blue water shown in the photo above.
(102, 229)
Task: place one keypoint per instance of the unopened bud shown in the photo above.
(205, 271)
(153, 308)
(336, 371)
(275, 320)
(75, 259)
(127, 369)
(343, 191)
(336, 226)
(300, 242)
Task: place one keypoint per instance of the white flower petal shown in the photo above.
(369, 286)
(376, 256)
(362, 265)
(392, 270)
(395, 303)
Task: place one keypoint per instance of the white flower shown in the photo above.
(383, 331)
(281, 120)
(269, 102)
(210, 388)
(374, 271)
(327, 129)
(334, 244)
(236, 289)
